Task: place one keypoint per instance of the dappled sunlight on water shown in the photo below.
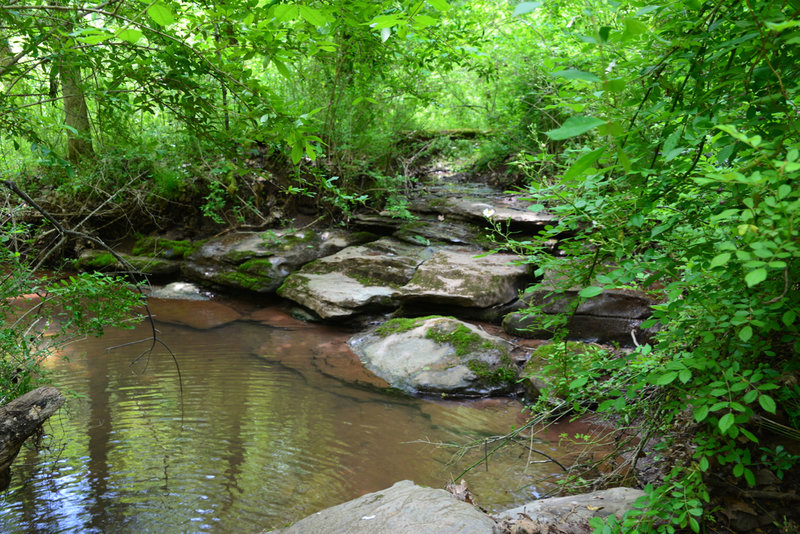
(260, 436)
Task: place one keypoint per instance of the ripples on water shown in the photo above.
(260, 437)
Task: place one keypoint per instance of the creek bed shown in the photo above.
(260, 437)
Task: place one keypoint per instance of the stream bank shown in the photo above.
(385, 277)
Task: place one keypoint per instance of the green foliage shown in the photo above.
(680, 177)
(39, 315)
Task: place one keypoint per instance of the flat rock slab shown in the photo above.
(336, 295)
(100, 260)
(261, 261)
(613, 316)
(480, 204)
(388, 272)
(405, 508)
(202, 315)
(593, 328)
(355, 280)
(436, 355)
(624, 303)
(461, 277)
(570, 514)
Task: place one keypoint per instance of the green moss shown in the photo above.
(99, 261)
(164, 248)
(259, 266)
(401, 324)
(498, 375)
(404, 324)
(238, 279)
(461, 338)
(285, 241)
(293, 281)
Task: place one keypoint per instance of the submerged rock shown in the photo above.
(201, 315)
(179, 291)
(261, 261)
(434, 355)
(405, 508)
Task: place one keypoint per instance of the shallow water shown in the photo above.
(263, 434)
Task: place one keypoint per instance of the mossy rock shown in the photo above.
(169, 249)
(436, 354)
(103, 261)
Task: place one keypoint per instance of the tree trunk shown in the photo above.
(19, 419)
(79, 135)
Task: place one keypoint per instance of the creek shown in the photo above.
(261, 435)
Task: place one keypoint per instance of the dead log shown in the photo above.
(22, 417)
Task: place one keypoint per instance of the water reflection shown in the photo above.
(259, 438)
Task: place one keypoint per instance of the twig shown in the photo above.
(64, 232)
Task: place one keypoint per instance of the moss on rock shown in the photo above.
(164, 248)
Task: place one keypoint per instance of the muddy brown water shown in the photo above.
(268, 429)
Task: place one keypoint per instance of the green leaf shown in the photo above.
(423, 21)
(767, 403)
(720, 259)
(574, 74)
(685, 375)
(666, 378)
(526, 7)
(284, 12)
(579, 382)
(635, 27)
(130, 35)
(574, 126)
(725, 422)
(704, 463)
(589, 292)
(750, 477)
(281, 68)
(746, 333)
(755, 277)
(95, 39)
(788, 317)
(583, 163)
(161, 14)
(312, 16)
(701, 413)
(441, 5)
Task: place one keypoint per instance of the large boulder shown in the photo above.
(424, 229)
(104, 261)
(613, 316)
(388, 272)
(356, 279)
(437, 355)
(475, 203)
(460, 276)
(261, 261)
(405, 508)
(568, 514)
